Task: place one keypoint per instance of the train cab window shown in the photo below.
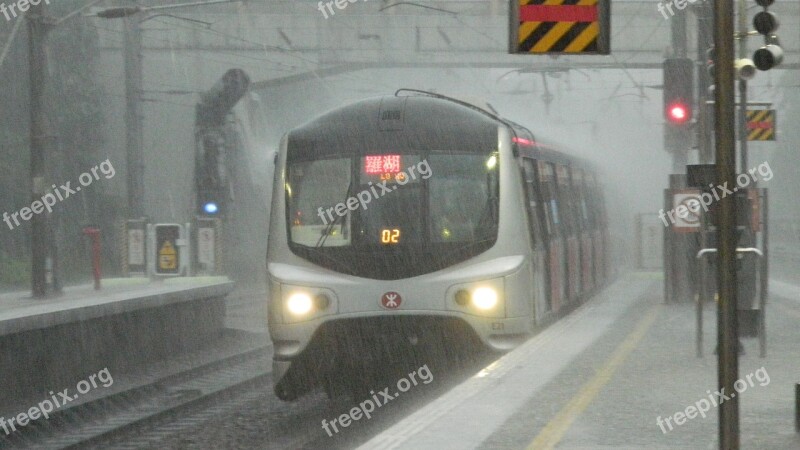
(461, 209)
(309, 185)
(447, 198)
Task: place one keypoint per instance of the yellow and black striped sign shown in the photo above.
(760, 124)
(560, 26)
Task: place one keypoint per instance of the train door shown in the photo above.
(555, 249)
(585, 227)
(536, 228)
(570, 234)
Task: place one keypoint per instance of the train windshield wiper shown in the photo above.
(333, 223)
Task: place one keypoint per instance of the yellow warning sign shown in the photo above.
(761, 125)
(560, 26)
(167, 257)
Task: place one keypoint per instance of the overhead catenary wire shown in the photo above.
(206, 58)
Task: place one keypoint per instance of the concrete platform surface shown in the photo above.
(19, 312)
(610, 374)
(56, 341)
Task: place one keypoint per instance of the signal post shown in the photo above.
(680, 232)
(765, 58)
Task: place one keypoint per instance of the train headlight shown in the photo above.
(299, 304)
(484, 298)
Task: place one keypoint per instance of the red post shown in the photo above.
(94, 234)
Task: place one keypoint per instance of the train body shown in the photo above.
(417, 217)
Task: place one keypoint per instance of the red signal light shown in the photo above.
(678, 113)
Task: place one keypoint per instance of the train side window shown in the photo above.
(587, 222)
(601, 207)
(579, 193)
(564, 200)
(547, 195)
(532, 200)
(597, 204)
(575, 207)
(588, 203)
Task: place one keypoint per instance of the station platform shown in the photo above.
(610, 374)
(19, 312)
(51, 342)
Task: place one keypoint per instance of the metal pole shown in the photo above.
(133, 116)
(704, 42)
(724, 125)
(743, 125)
(743, 87)
(699, 307)
(679, 41)
(797, 407)
(764, 275)
(37, 32)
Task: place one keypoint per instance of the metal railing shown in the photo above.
(762, 303)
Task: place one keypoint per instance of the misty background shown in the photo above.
(612, 116)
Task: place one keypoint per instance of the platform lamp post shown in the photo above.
(38, 26)
(44, 259)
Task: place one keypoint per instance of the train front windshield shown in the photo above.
(435, 208)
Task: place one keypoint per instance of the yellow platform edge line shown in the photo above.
(555, 430)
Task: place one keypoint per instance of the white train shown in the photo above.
(415, 218)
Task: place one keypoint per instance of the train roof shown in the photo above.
(442, 116)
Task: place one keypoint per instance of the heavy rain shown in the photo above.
(447, 224)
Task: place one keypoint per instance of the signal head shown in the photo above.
(765, 23)
(745, 69)
(678, 90)
(768, 57)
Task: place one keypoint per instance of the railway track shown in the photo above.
(116, 418)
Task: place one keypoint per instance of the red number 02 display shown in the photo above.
(390, 236)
